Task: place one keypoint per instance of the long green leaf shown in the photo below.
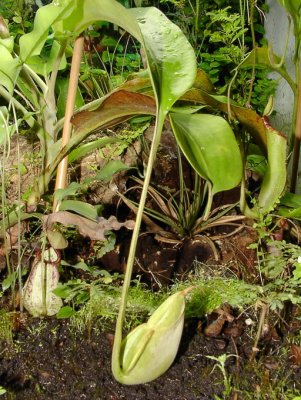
(209, 144)
(80, 207)
(170, 57)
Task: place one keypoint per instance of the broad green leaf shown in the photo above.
(65, 312)
(9, 68)
(70, 190)
(112, 167)
(80, 207)
(32, 43)
(170, 57)
(252, 122)
(209, 144)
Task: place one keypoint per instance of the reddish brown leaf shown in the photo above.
(117, 107)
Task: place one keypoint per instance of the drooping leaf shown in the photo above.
(116, 107)
(292, 200)
(291, 213)
(209, 144)
(80, 207)
(290, 206)
(86, 227)
(252, 122)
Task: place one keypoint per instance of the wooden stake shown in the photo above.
(61, 175)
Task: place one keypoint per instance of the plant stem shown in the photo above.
(196, 21)
(134, 241)
(263, 314)
(297, 132)
(251, 22)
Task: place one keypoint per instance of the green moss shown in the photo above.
(5, 327)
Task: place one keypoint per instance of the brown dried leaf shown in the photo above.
(93, 230)
(295, 356)
(215, 328)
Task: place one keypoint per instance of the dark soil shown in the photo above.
(49, 360)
